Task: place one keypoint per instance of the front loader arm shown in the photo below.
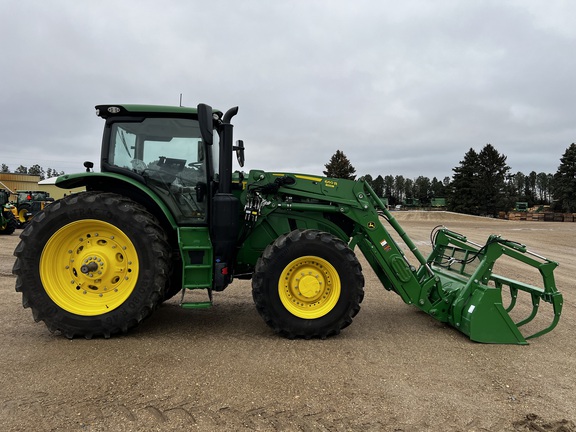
(309, 201)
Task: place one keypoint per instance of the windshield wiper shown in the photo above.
(123, 138)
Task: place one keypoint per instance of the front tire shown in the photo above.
(92, 264)
(308, 284)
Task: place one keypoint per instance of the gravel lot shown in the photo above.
(222, 369)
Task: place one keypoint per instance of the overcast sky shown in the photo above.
(400, 87)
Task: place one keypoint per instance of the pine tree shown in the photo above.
(543, 186)
(378, 186)
(519, 181)
(437, 188)
(409, 188)
(423, 190)
(463, 187)
(492, 181)
(388, 187)
(399, 183)
(340, 167)
(531, 190)
(564, 182)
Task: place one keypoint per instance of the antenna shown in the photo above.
(180, 99)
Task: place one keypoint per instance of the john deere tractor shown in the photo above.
(7, 220)
(168, 214)
(28, 203)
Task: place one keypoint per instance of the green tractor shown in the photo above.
(7, 220)
(168, 214)
(28, 203)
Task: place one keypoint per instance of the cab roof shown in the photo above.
(108, 111)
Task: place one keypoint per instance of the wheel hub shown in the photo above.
(309, 286)
(89, 267)
(103, 264)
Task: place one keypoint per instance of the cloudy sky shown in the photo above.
(400, 87)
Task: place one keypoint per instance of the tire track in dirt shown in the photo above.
(171, 414)
(532, 422)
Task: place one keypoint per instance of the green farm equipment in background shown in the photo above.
(28, 203)
(7, 220)
(438, 202)
(168, 214)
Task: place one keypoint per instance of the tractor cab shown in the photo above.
(166, 152)
(174, 151)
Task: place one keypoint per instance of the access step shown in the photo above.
(196, 305)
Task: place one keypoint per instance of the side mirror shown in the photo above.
(205, 119)
(239, 148)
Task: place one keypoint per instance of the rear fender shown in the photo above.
(122, 185)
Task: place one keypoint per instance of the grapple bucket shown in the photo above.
(469, 284)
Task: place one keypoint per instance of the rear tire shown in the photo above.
(308, 284)
(92, 264)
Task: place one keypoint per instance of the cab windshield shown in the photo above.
(169, 154)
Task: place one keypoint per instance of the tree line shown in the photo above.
(482, 184)
(33, 170)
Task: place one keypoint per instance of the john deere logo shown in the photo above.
(371, 225)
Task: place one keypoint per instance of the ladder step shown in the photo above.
(192, 247)
(197, 305)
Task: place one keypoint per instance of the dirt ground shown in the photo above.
(222, 369)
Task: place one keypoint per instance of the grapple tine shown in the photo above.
(477, 308)
(557, 301)
(535, 306)
(513, 297)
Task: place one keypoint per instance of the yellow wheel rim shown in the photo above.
(309, 287)
(89, 267)
(22, 215)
